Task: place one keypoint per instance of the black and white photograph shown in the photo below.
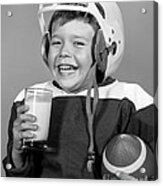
(79, 90)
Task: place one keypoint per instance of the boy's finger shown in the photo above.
(26, 135)
(28, 126)
(27, 117)
(22, 108)
(20, 120)
(125, 176)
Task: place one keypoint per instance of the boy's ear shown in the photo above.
(45, 47)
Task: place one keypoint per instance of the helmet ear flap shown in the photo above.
(100, 51)
(45, 47)
(99, 46)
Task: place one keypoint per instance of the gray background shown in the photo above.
(22, 65)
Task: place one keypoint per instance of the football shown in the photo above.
(129, 154)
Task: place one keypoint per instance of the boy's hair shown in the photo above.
(60, 18)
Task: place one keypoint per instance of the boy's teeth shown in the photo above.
(66, 67)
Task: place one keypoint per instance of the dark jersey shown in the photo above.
(122, 108)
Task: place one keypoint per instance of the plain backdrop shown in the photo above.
(22, 65)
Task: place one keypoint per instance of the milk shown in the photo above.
(39, 102)
(42, 112)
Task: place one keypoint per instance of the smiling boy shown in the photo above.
(69, 57)
(82, 46)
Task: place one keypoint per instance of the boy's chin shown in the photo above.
(66, 86)
(69, 87)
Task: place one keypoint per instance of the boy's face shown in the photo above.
(70, 55)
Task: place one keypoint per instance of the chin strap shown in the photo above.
(90, 115)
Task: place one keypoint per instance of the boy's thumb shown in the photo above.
(124, 176)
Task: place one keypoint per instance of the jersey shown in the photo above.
(122, 108)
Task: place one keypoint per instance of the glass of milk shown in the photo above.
(39, 101)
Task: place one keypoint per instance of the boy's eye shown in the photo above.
(56, 43)
(79, 44)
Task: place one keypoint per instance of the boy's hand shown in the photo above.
(119, 176)
(125, 176)
(23, 127)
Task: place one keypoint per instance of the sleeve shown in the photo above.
(144, 123)
(139, 115)
(144, 120)
(11, 171)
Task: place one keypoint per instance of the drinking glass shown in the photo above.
(39, 101)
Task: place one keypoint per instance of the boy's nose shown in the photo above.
(65, 51)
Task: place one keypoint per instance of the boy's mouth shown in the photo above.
(66, 68)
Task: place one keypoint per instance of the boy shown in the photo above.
(82, 46)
